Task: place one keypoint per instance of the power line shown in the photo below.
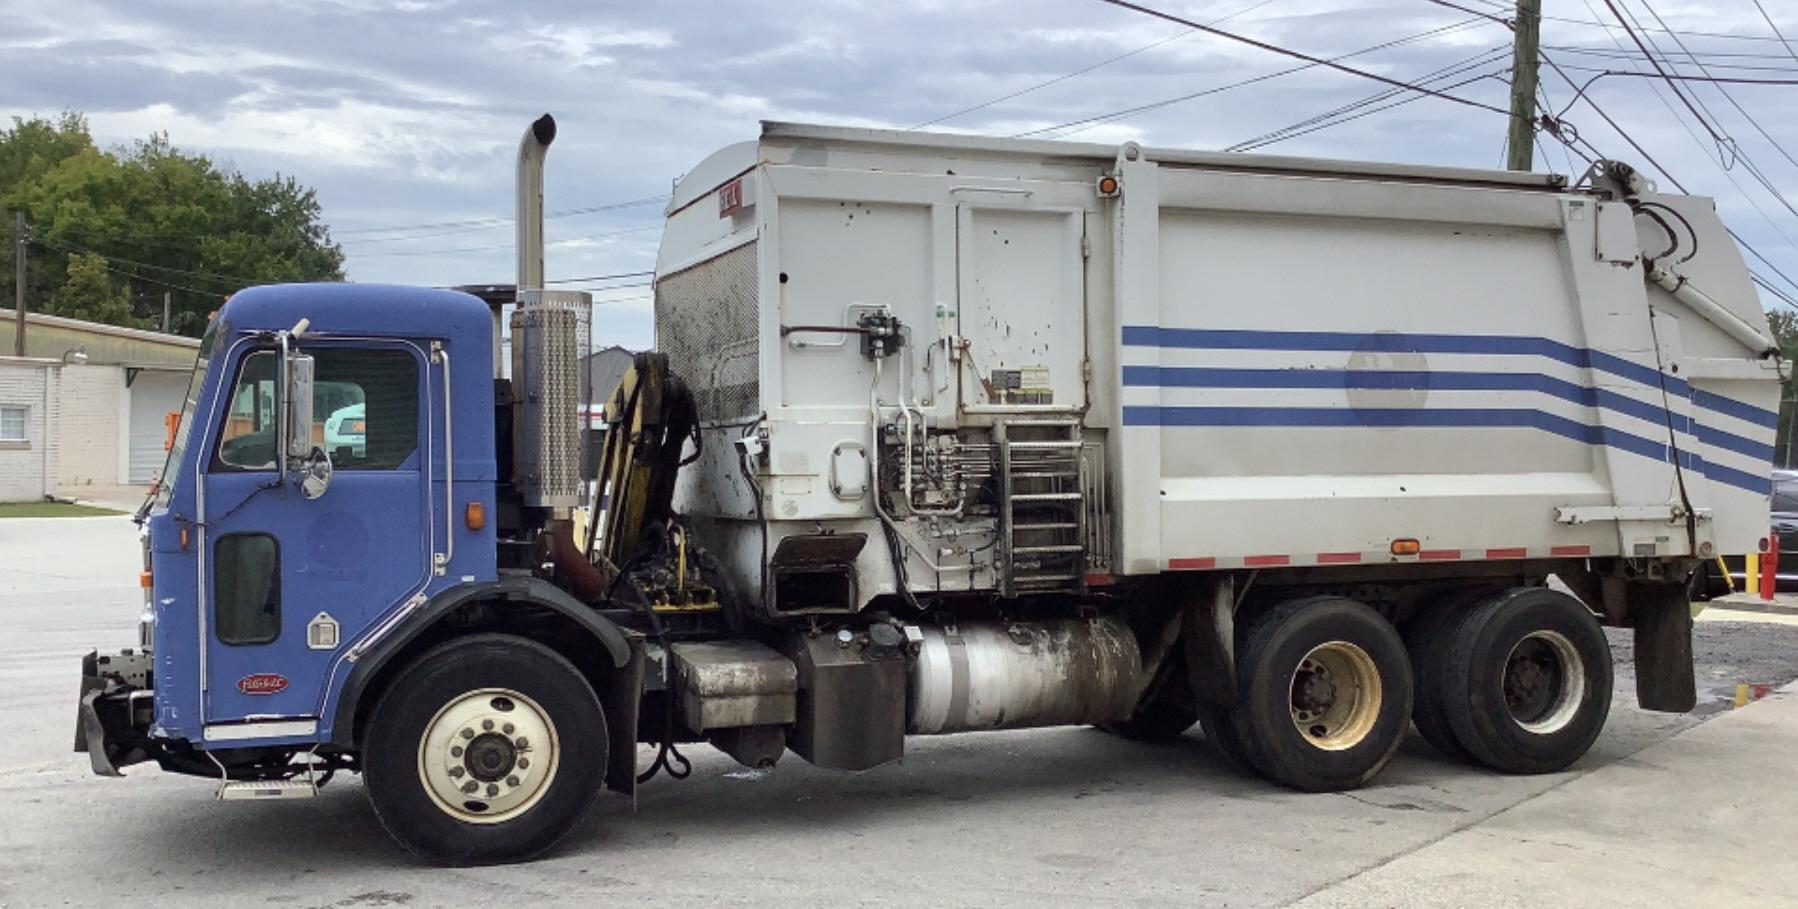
(469, 249)
(1336, 116)
(1300, 55)
(1776, 32)
(1718, 85)
(1680, 77)
(1083, 71)
(622, 274)
(1652, 61)
(1587, 23)
(1717, 59)
(233, 280)
(475, 224)
(1085, 123)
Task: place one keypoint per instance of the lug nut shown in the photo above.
(524, 763)
(468, 733)
(457, 772)
(492, 789)
(507, 729)
(523, 744)
(470, 786)
(511, 781)
(487, 725)
(455, 751)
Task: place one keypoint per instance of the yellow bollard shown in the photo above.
(1751, 572)
(1741, 694)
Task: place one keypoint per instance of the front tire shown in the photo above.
(1531, 688)
(1323, 694)
(485, 749)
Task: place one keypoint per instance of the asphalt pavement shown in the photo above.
(1046, 817)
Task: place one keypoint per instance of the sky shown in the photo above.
(405, 115)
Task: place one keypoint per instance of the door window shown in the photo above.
(364, 410)
(246, 591)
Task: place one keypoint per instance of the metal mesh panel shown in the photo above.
(706, 323)
(551, 334)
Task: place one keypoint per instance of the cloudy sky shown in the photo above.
(405, 115)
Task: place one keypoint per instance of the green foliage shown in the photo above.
(151, 219)
(90, 293)
(1784, 323)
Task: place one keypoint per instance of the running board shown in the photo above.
(245, 790)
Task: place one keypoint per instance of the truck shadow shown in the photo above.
(948, 781)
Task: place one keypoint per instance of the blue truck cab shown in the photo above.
(296, 580)
(271, 594)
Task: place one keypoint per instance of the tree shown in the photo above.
(161, 219)
(89, 293)
(1784, 323)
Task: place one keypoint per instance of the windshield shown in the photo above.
(171, 469)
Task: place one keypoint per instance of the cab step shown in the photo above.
(246, 790)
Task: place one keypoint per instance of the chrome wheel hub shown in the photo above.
(488, 755)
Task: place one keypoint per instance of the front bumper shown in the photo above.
(115, 710)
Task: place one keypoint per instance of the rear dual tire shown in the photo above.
(1519, 680)
(1323, 695)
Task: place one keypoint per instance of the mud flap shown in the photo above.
(1661, 617)
(621, 699)
(1208, 626)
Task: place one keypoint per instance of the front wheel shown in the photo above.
(485, 749)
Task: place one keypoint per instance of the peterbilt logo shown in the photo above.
(262, 683)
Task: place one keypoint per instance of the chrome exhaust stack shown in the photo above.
(550, 340)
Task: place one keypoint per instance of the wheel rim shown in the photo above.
(488, 755)
(1335, 696)
(1544, 682)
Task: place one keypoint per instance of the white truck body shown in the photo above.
(1272, 361)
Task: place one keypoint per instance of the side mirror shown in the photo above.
(296, 405)
(315, 474)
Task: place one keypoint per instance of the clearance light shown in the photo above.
(475, 515)
(1108, 186)
(1406, 547)
(143, 579)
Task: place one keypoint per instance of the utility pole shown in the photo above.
(165, 310)
(1524, 60)
(18, 282)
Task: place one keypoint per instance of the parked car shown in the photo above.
(347, 428)
(1711, 582)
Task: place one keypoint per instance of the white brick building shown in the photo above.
(110, 392)
(29, 405)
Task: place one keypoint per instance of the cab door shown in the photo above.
(286, 581)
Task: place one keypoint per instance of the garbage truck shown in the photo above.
(946, 434)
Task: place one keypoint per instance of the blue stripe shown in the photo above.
(1394, 342)
(1734, 408)
(1430, 380)
(1456, 417)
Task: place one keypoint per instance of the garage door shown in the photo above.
(154, 395)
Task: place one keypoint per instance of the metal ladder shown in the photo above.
(1043, 509)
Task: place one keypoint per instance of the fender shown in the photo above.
(533, 591)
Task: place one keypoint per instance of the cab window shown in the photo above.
(364, 410)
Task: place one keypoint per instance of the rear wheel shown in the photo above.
(1323, 694)
(1532, 686)
(485, 749)
(1215, 721)
(1428, 640)
(1167, 713)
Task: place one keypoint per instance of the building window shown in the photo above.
(12, 423)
